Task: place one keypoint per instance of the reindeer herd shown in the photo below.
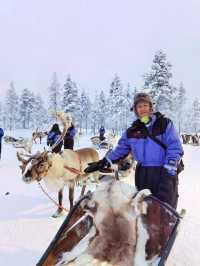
(193, 139)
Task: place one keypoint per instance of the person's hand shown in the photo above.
(171, 167)
(96, 166)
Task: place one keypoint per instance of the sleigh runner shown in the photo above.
(77, 240)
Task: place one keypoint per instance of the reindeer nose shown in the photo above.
(28, 173)
(27, 177)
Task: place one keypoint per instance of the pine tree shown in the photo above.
(70, 97)
(84, 110)
(128, 101)
(26, 107)
(40, 114)
(180, 106)
(94, 114)
(157, 83)
(102, 109)
(54, 95)
(115, 103)
(11, 107)
(196, 116)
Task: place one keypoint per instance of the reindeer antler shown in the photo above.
(19, 157)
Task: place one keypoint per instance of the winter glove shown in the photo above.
(97, 166)
(171, 167)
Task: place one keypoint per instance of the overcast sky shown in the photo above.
(94, 39)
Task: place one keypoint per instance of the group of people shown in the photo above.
(151, 139)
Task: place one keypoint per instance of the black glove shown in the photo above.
(97, 166)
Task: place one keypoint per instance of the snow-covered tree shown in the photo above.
(70, 97)
(179, 107)
(196, 116)
(102, 109)
(54, 95)
(115, 103)
(127, 103)
(84, 111)
(26, 108)
(11, 107)
(94, 114)
(40, 114)
(157, 83)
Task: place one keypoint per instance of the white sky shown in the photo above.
(92, 40)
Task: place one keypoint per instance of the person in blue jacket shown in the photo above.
(1, 136)
(53, 136)
(156, 165)
(69, 137)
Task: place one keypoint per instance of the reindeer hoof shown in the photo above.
(58, 213)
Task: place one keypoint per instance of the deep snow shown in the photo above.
(27, 228)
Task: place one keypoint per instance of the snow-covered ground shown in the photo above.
(27, 228)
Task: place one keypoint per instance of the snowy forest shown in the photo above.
(110, 108)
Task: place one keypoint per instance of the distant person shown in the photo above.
(101, 133)
(69, 137)
(1, 136)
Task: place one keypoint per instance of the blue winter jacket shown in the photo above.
(1, 133)
(146, 151)
(52, 138)
(71, 132)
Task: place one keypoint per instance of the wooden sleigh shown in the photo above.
(161, 220)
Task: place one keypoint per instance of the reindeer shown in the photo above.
(58, 170)
(39, 135)
(25, 144)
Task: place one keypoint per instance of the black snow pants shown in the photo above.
(159, 182)
(68, 143)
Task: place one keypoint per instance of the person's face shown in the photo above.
(143, 109)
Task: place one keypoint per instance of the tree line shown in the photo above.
(110, 109)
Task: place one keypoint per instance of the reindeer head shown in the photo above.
(35, 167)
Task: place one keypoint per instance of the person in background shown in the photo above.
(1, 136)
(101, 133)
(53, 136)
(69, 136)
(154, 143)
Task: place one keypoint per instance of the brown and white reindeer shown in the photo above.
(58, 170)
(129, 228)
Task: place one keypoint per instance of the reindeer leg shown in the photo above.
(71, 194)
(83, 189)
(59, 210)
(60, 197)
